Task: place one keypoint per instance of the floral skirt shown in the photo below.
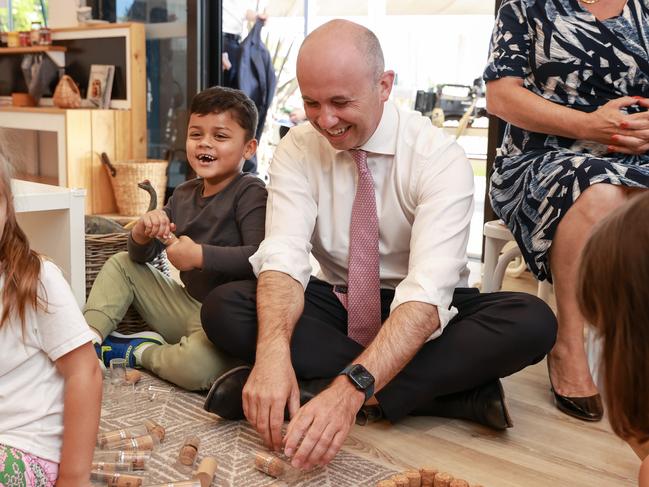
(533, 191)
(20, 469)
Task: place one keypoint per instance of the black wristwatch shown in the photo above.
(361, 378)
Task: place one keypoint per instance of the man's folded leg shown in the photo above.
(493, 336)
(456, 375)
(320, 348)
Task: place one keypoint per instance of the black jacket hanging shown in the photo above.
(256, 73)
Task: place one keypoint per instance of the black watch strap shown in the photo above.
(368, 388)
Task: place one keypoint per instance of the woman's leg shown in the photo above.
(569, 371)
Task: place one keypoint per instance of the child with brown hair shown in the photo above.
(50, 382)
(216, 221)
(613, 294)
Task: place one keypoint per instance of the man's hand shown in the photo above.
(154, 224)
(225, 61)
(185, 254)
(323, 425)
(271, 386)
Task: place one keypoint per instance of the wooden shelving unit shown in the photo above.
(56, 53)
(31, 49)
(82, 134)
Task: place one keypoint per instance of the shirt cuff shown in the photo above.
(287, 255)
(422, 287)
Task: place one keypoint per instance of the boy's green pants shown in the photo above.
(189, 360)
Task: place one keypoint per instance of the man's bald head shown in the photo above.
(341, 76)
(336, 33)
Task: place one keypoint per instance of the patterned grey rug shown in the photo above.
(233, 443)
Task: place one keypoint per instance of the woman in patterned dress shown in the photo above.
(571, 78)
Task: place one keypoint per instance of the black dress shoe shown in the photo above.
(225, 395)
(368, 415)
(587, 408)
(484, 404)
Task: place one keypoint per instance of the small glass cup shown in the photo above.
(118, 371)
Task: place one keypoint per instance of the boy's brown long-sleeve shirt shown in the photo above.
(229, 225)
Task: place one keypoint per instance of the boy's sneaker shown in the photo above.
(118, 345)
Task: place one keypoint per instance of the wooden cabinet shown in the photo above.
(81, 136)
(75, 138)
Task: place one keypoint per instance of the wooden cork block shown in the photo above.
(269, 464)
(189, 450)
(401, 480)
(459, 483)
(427, 476)
(443, 479)
(386, 483)
(414, 477)
(133, 376)
(206, 470)
(155, 429)
(124, 480)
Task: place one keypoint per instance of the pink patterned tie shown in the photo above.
(364, 287)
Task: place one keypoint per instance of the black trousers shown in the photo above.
(493, 335)
(231, 46)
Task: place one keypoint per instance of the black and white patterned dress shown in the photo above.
(564, 54)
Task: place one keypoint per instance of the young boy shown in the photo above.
(211, 225)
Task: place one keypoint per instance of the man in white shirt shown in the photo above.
(440, 347)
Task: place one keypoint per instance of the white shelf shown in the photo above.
(53, 219)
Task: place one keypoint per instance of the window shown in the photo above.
(16, 15)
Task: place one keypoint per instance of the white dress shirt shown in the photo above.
(424, 198)
(234, 15)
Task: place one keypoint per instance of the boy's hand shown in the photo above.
(153, 224)
(185, 254)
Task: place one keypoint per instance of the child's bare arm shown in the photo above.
(81, 410)
(154, 224)
(643, 478)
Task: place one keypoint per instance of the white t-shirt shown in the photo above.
(31, 389)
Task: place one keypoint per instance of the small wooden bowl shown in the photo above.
(22, 100)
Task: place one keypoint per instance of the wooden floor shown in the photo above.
(545, 448)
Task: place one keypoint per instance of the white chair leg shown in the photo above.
(503, 261)
(492, 248)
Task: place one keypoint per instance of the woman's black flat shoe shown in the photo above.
(585, 408)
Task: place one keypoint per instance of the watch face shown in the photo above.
(361, 376)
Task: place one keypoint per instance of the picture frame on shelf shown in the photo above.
(100, 85)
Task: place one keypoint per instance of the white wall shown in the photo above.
(63, 13)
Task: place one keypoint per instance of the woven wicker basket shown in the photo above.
(66, 93)
(130, 199)
(99, 248)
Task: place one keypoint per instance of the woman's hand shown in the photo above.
(508, 99)
(609, 125)
(634, 138)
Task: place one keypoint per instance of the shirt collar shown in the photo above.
(384, 138)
